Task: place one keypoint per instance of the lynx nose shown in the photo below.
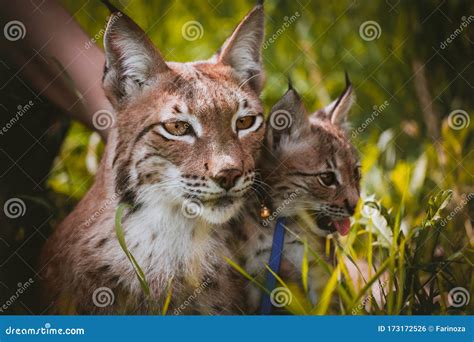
(227, 178)
(350, 207)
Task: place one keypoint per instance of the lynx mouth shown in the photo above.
(326, 223)
(221, 202)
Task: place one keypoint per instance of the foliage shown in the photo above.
(414, 253)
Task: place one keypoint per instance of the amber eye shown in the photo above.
(245, 122)
(327, 178)
(178, 128)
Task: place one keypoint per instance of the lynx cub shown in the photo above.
(308, 165)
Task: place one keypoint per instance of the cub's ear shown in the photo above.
(131, 60)
(337, 111)
(242, 50)
(288, 117)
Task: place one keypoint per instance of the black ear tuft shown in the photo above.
(337, 111)
(111, 7)
(290, 83)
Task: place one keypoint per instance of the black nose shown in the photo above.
(227, 178)
(350, 207)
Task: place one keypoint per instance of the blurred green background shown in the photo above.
(411, 64)
(400, 66)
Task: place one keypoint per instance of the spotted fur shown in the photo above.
(294, 156)
(157, 172)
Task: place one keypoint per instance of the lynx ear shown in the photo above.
(131, 60)
(337, 111)
(242, 51)
(287, 118)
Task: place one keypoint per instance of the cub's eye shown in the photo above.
(178, 128)
(327, 178)
(245, 122)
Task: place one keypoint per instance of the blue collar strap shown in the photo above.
(274, 264)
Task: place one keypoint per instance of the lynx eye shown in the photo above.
(327, 179)
(245, 122)
(178, 128)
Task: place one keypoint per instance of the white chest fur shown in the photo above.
(165, 243)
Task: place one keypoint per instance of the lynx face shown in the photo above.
(318, 162)
(188, 133)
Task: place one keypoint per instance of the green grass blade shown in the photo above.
(121, 239)
(305, 267)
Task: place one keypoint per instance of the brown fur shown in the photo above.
(294, 155)
(155, 173)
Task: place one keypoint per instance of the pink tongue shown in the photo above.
(343, 226)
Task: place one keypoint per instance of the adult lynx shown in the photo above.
(187, 134)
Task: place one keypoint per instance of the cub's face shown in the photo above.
(318, 162)
(188, 133)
